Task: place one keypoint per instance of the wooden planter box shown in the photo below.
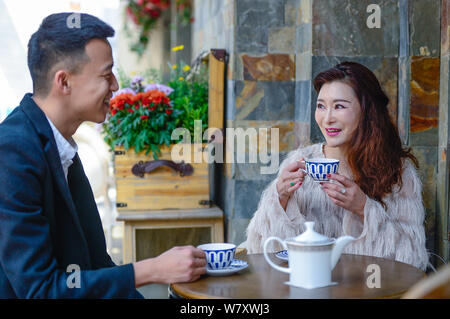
(164, 185)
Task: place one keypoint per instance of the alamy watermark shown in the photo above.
(74, 21)
(74, 279)
(374, 19)
(374, 279)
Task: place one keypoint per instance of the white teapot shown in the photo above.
(312, 257)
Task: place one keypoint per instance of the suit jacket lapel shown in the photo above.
(40, 122)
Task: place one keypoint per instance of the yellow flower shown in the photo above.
(178, 48)
(186, 68)
(174, 66)
(133, 73)
(180, 78)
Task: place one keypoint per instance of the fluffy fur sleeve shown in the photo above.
(396, 232)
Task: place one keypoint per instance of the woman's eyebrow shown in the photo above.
(334, 101)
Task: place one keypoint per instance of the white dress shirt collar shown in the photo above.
(67, 149)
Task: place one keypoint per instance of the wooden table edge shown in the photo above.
(191, 296)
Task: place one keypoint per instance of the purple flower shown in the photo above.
(137, 80)
(160, 87)
(136, 83)
(125, 90)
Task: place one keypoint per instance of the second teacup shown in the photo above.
(218, 255)
(318, 168)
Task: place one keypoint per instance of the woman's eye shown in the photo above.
(320, 106)
(339, 106)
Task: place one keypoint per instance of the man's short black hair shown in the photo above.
(61, 38)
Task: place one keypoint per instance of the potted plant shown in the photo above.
(143, 115)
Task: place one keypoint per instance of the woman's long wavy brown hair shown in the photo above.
(375, 153)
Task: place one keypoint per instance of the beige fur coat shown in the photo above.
(396, 233)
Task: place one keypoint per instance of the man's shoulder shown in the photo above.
(15, 126)
(17, 129)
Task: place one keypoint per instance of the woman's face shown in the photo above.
(337, 113)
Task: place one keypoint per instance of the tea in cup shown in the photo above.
(318, 168)
(218, 255)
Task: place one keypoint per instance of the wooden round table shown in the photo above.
(260, 281)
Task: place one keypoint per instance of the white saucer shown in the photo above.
(235, 266)
(283, 255)
(321, 286)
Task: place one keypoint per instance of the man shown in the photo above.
(49, 222)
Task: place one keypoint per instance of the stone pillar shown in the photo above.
(424, 74)
(443, 176)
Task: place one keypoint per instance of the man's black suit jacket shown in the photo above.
(47, 223)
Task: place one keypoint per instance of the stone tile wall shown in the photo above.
(278, 48)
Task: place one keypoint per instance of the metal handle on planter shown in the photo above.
(140, 168)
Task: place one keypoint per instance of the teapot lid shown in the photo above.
(310, 237)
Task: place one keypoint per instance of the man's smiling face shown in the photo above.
(92, 88)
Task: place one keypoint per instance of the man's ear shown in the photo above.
(61, 82)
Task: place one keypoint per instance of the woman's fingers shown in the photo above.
(345, 193)
(334, 192)
(341, 179)
(335, 186)
(292, 167)
(291, 178)
(294, 175)
(294, 186)
(295, 165)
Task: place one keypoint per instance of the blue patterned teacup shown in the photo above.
(218, 255)
(318, 168)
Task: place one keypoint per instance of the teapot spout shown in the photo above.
(339, 246)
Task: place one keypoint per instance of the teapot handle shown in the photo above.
(271, 263)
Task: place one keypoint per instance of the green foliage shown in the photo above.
(190, 96)
(143, 117)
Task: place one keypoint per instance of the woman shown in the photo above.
(376, 195)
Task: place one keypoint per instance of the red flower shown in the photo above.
(131, 14)
(137, 97)
(121, 104)
(145, 101)
(157, 99)
(169, 111)
(154, 13)
(144, 117)
(119, 101)
(130, 110)
(113, 112)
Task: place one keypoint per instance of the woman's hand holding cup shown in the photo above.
(346, 194)
(291, 178)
